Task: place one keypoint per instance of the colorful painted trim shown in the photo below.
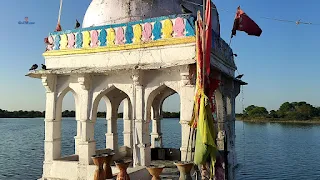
(158, 43)
(159, 31)
(131, 33)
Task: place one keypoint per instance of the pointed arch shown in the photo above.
(105, 95)
(59, 101)
(156, 98)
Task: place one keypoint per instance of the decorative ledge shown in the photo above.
(153, 32)
(165, 30)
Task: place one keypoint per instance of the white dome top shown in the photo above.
(102, 12)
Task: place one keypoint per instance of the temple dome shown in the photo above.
(102, 12)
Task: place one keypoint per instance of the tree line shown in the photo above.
(292, 111)
(66, 113)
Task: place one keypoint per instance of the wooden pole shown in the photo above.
(203, 42)
(188, 144)
(203, 54)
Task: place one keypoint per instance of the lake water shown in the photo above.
(265, 151)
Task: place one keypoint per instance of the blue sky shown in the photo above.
(281, 65)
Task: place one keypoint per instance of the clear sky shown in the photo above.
(281, 65)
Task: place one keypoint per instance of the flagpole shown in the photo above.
(230, 41)
(203, 42)
(60, 8)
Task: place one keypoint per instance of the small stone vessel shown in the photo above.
(184, 169)
(99, 173)
(155, 172)
(107, 166)
(122, 166)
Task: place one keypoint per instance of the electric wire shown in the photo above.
(297, 22)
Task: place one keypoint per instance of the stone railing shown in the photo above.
(222, 50)
(165, 30)
(131, 33)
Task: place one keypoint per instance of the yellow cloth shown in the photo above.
(205, 139)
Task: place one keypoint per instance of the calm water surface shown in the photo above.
(265, 151)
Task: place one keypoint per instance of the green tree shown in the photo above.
(256, 111)
(273, 114)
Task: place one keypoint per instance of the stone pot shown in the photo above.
(155, 172)
(99, 173)
(107, 165)
(122, 166)
(184, 169)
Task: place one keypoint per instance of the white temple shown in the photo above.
(139, 52)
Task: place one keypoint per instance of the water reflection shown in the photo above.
(274, 151)
(277, 151)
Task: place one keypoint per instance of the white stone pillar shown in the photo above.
(52, 139)
(187, 93)
(221, 117)
(230, 133)
(141, 149)
(127, 123)
(156, 134)
(87, 144)
(77, 138)
(112, 134)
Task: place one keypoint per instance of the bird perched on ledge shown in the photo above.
(44, 67)
(46, 40)
(33, 67)
(185, 10)
(58, 27)
(239, 76)
(77, 24)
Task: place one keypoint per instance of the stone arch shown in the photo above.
(157, 97)
(59, 101)
(154, 111)
(102, 95)
(112, 97)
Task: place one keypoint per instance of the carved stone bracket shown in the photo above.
(85, 82)
(136, 77)
(49, 82)
(185, 79)
(184, 122)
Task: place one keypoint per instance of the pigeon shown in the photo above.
(44, 67)
(185, 10)
(77, 24)
(239, 76)
(46, 40)
(58, 28)
(34, 67)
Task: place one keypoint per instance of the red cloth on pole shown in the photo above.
(208, 40)
(243, 22)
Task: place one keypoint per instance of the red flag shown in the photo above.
(208, 40)
(243, 22)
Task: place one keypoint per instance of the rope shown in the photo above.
(243, 129)
(298, 22)
(60, 8)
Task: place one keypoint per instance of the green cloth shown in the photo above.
(205, 139)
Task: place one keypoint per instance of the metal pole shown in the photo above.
(60, 8)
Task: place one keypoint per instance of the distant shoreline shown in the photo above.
(317, 121)
(66, 114)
